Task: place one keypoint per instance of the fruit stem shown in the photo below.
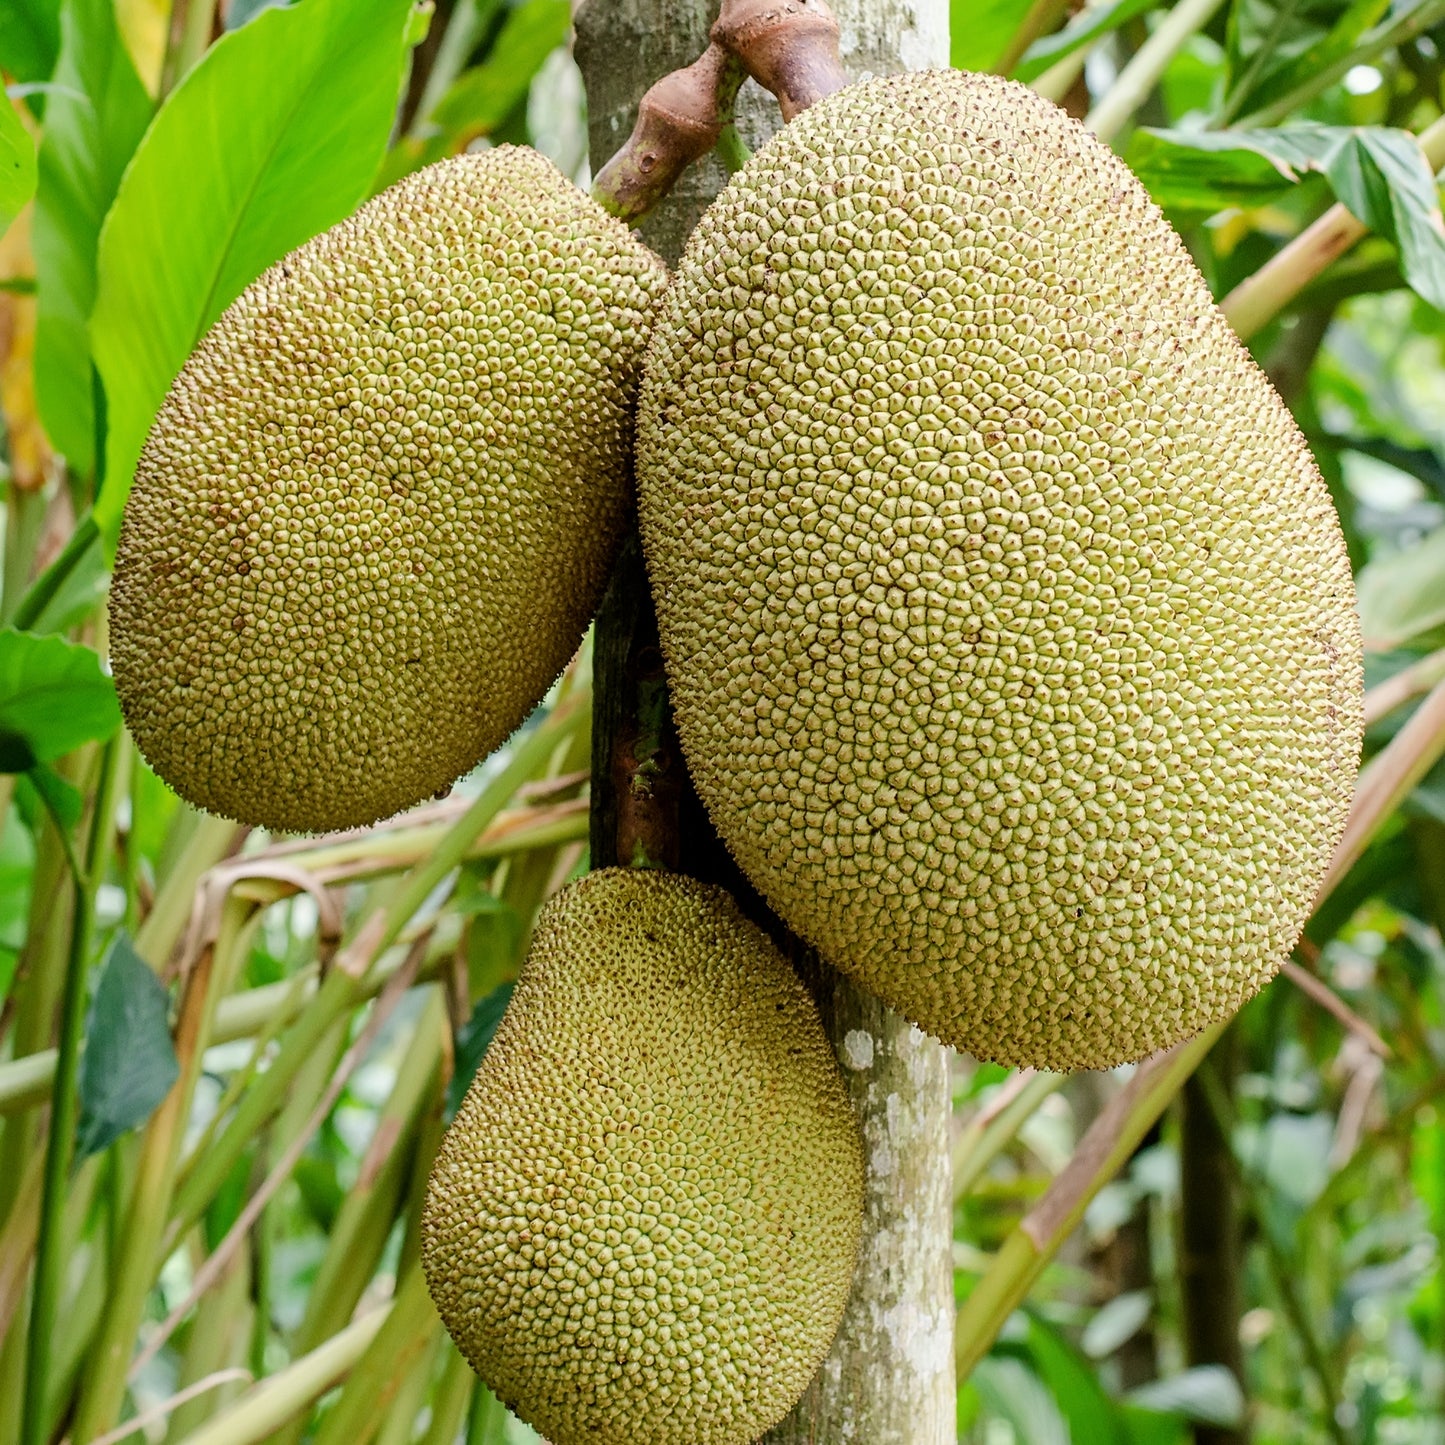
(679, 121)
(790, 47)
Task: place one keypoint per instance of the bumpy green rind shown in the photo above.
(642, 1225)
(378, 507)
(1007, 617)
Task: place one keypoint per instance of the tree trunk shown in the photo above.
(1211, 1251)
(889, 1379)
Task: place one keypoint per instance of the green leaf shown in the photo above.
(1379, 174)
(53, 697)
(274, 136)
(1402, 594)
(17, 164)
(473, 1039)
(980, 32)
(1207, 1393)
(1206, 171)
(483, 97)
(129, 1063)
(1013, 1393)
(1089, 25)
(1090, 1414)
(42, 794)
(96, 115)
(29, 38)
(1274, 45)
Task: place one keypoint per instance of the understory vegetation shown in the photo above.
(226, 1057)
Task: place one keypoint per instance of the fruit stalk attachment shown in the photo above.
(790, 47)
(679, 121)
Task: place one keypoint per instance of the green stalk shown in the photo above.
(42, 592)
(1101, 1153)
(487, 1419)
(1139, 77)
(265, 1407)
(382, 1371)
(980, 1144)
(103, 1390)
(450, 1397)
(65, 1097)
(365, 1221)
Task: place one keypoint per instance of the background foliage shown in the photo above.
(225, 1059)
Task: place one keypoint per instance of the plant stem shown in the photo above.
(49, 1256)
(1142, 72)
(1104, 1149)
(1042, 17)
(985, 1137)
(265, 1407)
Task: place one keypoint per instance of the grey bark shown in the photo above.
(889, 1379)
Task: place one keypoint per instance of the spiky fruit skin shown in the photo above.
(378, 507)
(642, 1224)
(1007, 618)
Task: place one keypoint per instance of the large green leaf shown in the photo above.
(473, 1039)
(1378, 173)
(1089, 25)
(29, 38)
(980, 30)
(97, 113)
(129, 1063)
(53, 697)
(17, 164)
(271, 138)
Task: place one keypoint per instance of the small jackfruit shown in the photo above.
(378, 507)
(1007, 618)
(642, 1225)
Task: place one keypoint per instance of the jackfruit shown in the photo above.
(642, 1224)
(1007, 618)
(379, 505)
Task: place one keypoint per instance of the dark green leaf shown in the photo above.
(42, 793)
(1090, 1413)
(980, 30)
(1205, 171)
(1207, 1393)
(483, 97)
(53, 697)
(473, 1039)
(1275, 45)
(274, 136)
(1085, 28)
(17, 164)
(129, 1063)
(29, 38)
(1012, 1392)
(1149, 1427)
(96, 115)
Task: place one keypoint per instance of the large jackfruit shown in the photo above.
(642, 1225)
(1007, 618)
(379, 504)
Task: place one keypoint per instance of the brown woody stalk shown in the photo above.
(790, 47)
(678, 122)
